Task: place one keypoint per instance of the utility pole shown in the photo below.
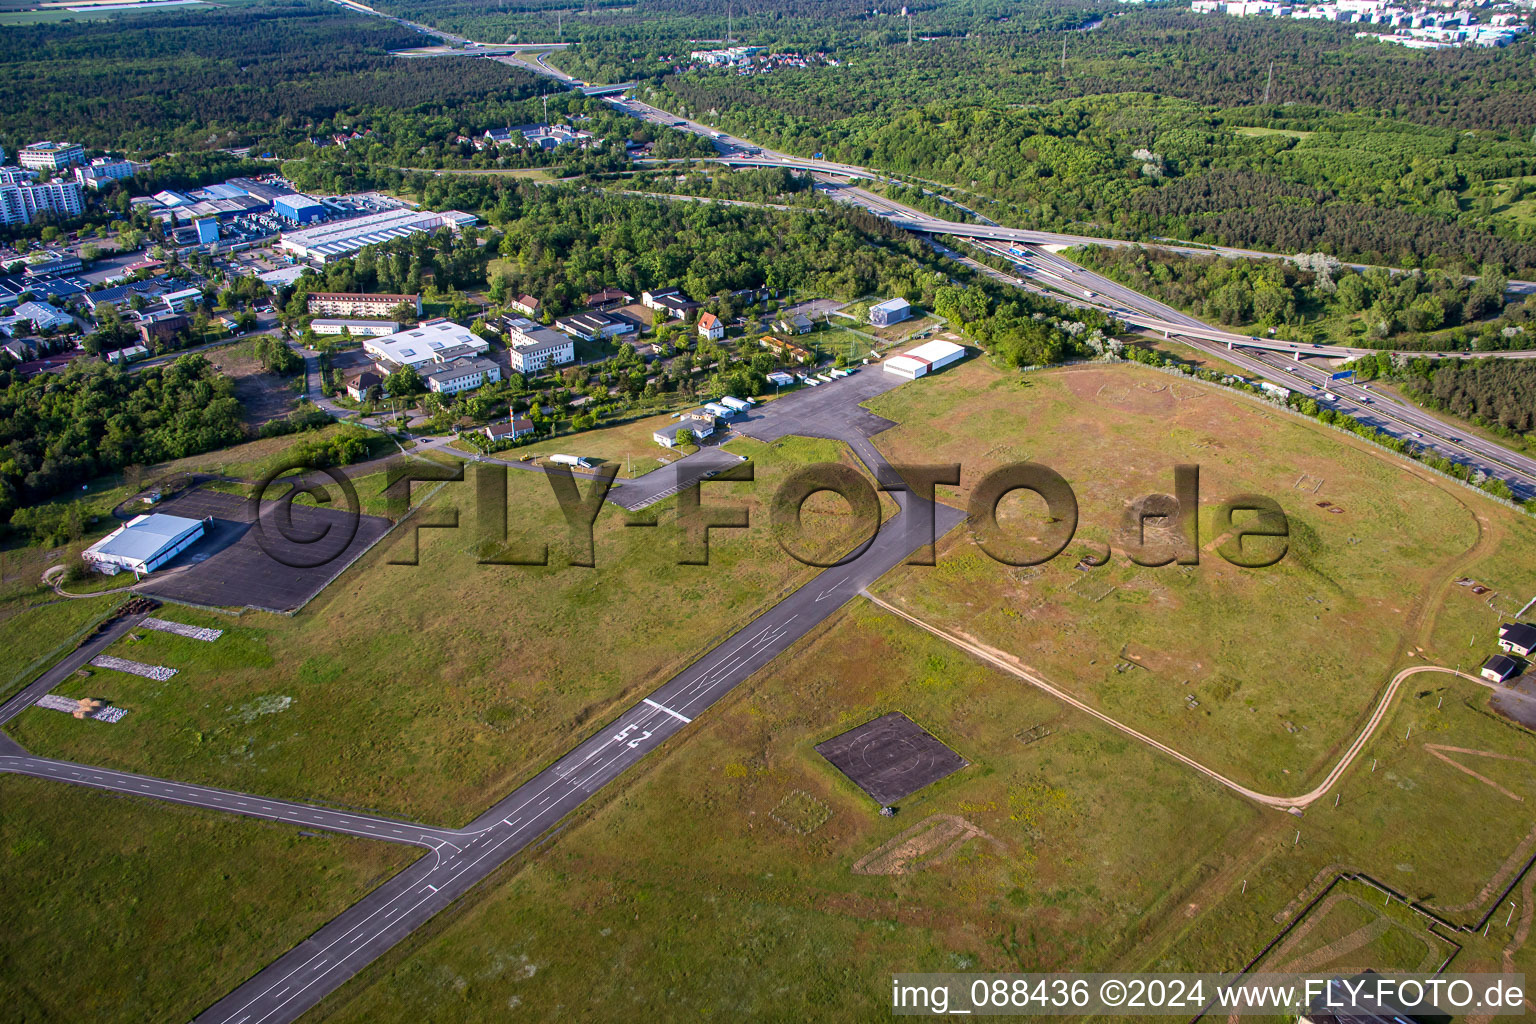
(560, 25)
(1063, 54)
(1269, 81)
(909, 30)
(730, 36)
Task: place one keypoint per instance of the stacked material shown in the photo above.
(182, 629)
(159, 673)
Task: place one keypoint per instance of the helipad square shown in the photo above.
(890, 757)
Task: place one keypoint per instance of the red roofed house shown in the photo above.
(710, 327)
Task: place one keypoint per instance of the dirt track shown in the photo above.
(1285, 803)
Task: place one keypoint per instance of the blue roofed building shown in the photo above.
(144, 543)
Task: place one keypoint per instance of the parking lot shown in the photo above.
(232, 567)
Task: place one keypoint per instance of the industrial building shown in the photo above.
(50, 156)
(594, 326)
(436, 341)
(207, 230)
(144, 543)
(363, 304)
(299, 208)
(338, 239)
(356, 328)
(925, 359)
(891, 311)
(45, 317)
(1499, 668)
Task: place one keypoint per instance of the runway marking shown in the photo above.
(662, 707)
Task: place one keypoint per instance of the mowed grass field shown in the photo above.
(428, 691)
(1263, 674)
(732, 876)
(739, 875)
(126, 910)
(1435, 808)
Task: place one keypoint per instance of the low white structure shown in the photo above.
(925, 359)
(144, 543)
(435, 341)
(356, 328)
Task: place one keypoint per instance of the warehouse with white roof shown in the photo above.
(344, 237)
(925, 359)
(435, 341)
(144, 543)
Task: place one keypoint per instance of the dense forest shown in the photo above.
(1322, 300)
(219, 76)
(59, 430)
(1499, 394)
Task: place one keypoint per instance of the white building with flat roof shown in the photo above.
(144, 543)
(536, 348)
(435, 341)
(50, 156)
(925, 359)
(344, 237)
(356, 328)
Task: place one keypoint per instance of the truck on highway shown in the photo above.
(1014, 250)
(1089, 293)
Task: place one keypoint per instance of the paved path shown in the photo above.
(301, 978)
(67, 667)
(211, 798)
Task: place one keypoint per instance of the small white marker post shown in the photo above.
(1298, 837)
(1373, 764)
(1336, 799)
(1511, 915)
(1408, 733)
(1245, 888)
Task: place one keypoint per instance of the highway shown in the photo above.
(1266, 360)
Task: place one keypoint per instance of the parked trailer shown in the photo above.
(572, 460)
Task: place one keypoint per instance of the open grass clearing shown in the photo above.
(427, 691)
(1264, 674)
(685, 895)
(119, 909)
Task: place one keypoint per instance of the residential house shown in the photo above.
(786, 350)
(795, 323)
(512, 430)
(359, 386)
(710, 327)
(671, 303)
(608, 297)
(1499, 668)
(526, 305)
